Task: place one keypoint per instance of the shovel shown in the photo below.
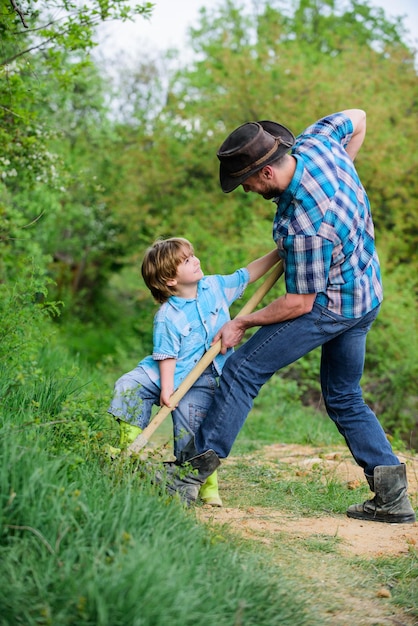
(143, 438)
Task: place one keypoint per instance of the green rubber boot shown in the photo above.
(112, 451)
(187, 487)
(209, 491)
(128, 433)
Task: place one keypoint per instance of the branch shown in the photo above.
(19, 12)
(35, 219)
(11, 112)
(19, 54)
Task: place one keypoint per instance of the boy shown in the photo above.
(193, 308)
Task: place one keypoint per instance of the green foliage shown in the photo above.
(392, 368)
(84, 192)
(74, 536)
(51, 97)
(278, 415)
(24, 310)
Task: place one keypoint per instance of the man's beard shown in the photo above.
(271, 194)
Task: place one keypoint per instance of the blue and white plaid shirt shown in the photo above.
(323, 225)
(184, 329)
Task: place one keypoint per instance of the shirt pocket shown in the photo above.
(192, 338)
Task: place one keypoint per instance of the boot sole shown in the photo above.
(212, 502)
(387, 519)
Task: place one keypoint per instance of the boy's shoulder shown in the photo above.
(213, 282)
(165, 311)
(219, 278)
(172, 309)
(206, 281)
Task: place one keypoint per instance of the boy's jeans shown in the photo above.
(272, 347)
(135, 395)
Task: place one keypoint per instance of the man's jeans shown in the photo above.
(272, 347)
(135, 395)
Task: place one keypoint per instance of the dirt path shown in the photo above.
(330, 558)
(358, 538)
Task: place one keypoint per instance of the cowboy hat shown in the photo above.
(249, 148)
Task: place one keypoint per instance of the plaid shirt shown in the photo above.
(184, 329)
(323, 225)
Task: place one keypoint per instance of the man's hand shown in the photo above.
(287, 307)
(230, 334)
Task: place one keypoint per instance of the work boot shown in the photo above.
(391, 503)
(209, 493)
(187, 478)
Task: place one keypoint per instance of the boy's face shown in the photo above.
(188, 271)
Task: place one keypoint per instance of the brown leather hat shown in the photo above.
(249, 148)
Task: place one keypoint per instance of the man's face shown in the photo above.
(261, 184)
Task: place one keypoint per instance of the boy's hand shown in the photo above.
(165, 397)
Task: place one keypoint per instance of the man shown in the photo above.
(324, 233)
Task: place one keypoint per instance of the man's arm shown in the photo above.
(287, 307)
(358, 119)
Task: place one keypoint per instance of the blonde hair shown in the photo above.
(160, 264)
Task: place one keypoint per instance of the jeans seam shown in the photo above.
(283, 326)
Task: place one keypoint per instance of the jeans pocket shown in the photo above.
(368, 319)
(331, 324)
(196, 415)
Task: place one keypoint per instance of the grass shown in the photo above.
(269, 484)
(399, 576)
(321, 571)
(92, 550)
(278, 415)
(87, 541)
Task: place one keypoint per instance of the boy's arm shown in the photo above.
(260, 266)
(167, 368)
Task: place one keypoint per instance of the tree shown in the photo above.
(50, 97)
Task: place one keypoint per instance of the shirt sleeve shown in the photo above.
(337, 126)
(233, 285)
(166, 340)
(307, 263)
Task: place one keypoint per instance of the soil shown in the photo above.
(358, 538)
(341, 585)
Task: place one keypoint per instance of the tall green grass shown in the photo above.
(89, 542)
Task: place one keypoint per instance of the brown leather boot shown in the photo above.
(391, 503)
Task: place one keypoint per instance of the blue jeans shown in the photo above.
(272, 347)
(135, 395)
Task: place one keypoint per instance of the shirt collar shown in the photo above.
(179, 303)
(284, 200)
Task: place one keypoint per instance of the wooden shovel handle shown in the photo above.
(203, 363)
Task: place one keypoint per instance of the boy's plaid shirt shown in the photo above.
(184, 328)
